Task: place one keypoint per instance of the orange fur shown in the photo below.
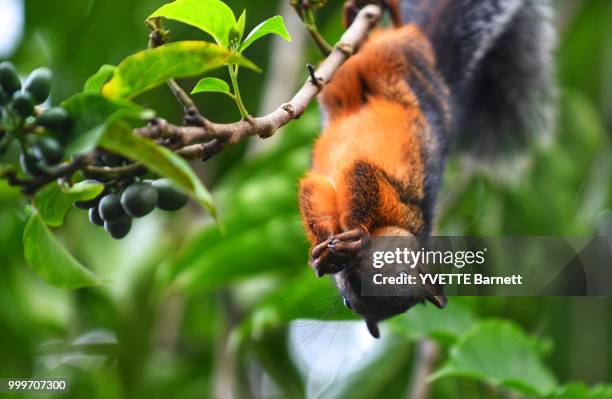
(368, 169)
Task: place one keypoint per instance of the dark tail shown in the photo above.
(496, 57)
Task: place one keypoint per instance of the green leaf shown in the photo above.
(212, 16)
(240, 24)
(427, 321)
(501, 354)
(96, 81)
(213, 85)
(90, 113)
(274, 25)
(273, 353)
(118, 138)
(581, 391)
(51, 261)
(275, 243)
(54, 201)
(149, 68)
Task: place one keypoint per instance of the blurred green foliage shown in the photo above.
(188, 312)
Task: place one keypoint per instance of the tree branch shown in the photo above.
(428, 353)
(201, 138)
(64, 171)
(208, 138)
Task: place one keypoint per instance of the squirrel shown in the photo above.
(472, 74)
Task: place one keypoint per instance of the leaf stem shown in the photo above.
(233, 71)
(307, 16)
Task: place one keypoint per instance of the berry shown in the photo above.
(169, 198)
(119, 228)
(54, 118)
(49, 150)
(39, 84)
(94, 217)
(139, 199)
(9, 79)
(110, 208)
(31, 165)
(23, 103)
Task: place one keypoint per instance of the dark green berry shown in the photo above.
(110, 208)
(31, 165)
(39, 84)
(119, 228)
(54, 118)
(139, 199)
(169, 198)
(49, 150)
(94, 217)
(23, 104)
(9, 79)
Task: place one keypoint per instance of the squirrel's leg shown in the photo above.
(320, 215)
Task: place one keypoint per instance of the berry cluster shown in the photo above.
(42, 135)
(116, 207)
(40, 132)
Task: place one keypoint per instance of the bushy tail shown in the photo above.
(496, 57)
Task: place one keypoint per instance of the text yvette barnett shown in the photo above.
(408, 260)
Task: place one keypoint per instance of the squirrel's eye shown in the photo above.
(346, 303)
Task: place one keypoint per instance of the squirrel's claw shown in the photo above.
(349, 244)
(338, 252)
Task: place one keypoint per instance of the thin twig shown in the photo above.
(307, 18)
(133, 169)
(428, 353)
(64, 171)
(193, 141)
(158, 37)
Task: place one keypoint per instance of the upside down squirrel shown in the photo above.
(472, 74)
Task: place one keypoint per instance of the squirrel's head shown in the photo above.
(374, 304)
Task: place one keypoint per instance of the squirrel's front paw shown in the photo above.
(350, 244)
(339, 252)
(320, 259)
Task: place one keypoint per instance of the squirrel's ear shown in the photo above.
(373, 328)
(439, 301)
(434, 294)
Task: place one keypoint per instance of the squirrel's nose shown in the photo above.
(373, 328)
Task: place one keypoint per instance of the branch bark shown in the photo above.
(428, 353)
(208, 138)
(29, 186)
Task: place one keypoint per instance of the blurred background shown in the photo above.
(189, 313)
